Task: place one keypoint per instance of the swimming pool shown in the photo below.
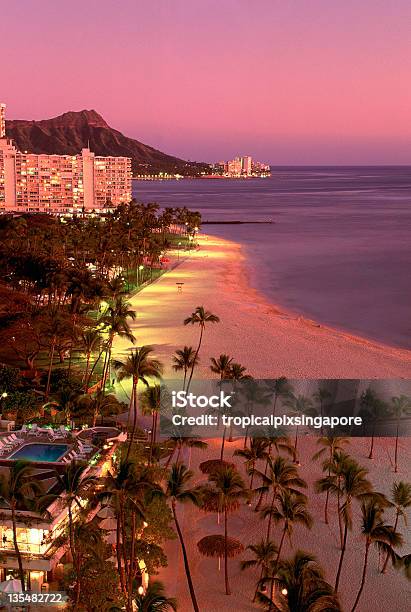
(40, 452)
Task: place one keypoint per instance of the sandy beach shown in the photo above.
(266, 340)
(269, 343)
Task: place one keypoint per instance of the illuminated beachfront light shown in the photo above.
(141, 267)
(4, 394)
(284, 592)
(145, 524)
(140, 590)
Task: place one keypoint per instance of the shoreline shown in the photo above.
(265, 338)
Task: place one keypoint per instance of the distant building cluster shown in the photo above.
(60, 183)
(243, 166)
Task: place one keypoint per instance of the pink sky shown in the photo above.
(288, 81)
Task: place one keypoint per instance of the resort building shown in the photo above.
(42, 536)
(63, 184)
(243, 166)
(2, 120)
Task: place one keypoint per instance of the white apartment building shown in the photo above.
(63, 184)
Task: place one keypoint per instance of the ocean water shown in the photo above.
(338, 249)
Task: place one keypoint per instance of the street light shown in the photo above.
(139, 269)
(178, 251)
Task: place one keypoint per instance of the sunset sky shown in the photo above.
(287, 81)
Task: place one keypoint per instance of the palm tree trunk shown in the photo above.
(276, 563)
(53, 345)
(132, 561)
(270, 516)
(185, 558)
(396, 448)
(118, 552)
(344, 546)
(370, 456)
(260, 499)
(73, 554)
(339, 514)
(133, 431)
(364, 572)
(195, 357)
(170, 458)
(222, 445)
(16, 546)
(387, 558)
(88, 380)
(85, 377)
(327, 497)
(295, 445)
(227, 585)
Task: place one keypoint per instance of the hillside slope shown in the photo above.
(70, 132)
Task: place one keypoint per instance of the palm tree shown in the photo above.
(280, 387)
(321, 396)
(257, 451)
(401, 500)
(291, 508)
(353, 485)
(280, 443)
(183, 360)
(372, 408)
(75, 484)
(330, 445)
(238, 372)
(221, 366)
(300, 405)
(18, 487)
(56, 327)
(178, 442)
(376, 532)
(400, 405)
(115, 320)
(139, 366)
(281, 475)
(264, 554)
(151, 403)
(124, 489)
(178, 491)
(224, 495)
(302, 586)
(199, 317)
(153, 599)
(90, 341)
(331, 483)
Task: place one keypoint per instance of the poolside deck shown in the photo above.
(12, 443)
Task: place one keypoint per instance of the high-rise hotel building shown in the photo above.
(60, 183)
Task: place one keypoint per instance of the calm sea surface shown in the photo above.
(338, 250)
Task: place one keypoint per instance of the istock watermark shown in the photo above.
(255, 408)
(182, 399)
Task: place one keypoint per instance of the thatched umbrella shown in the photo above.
(214, 546)
(212, 465)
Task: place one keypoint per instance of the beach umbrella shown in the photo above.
(110, 538)
(109, 524)
(105, 512)
(210, 466)
(10, 586)
(214, 546)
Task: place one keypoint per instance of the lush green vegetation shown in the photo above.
(63, 303)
